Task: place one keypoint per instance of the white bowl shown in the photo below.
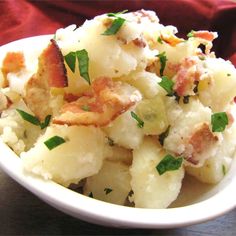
(199, 202)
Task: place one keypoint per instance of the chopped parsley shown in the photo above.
(117, 14)
(107, 190)
(228, 74)
(33, 119)
(169, 163)
(163, 59)
(167, 84)
(116, 24)
(83, 59)
(163, 135)
(223, 169)
(139, 120)
(159, 40)
(191, 34)
(54, 141)
(219, 121)
(85, 107)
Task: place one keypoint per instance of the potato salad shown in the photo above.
(121, 107)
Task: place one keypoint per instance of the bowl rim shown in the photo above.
(99, 212)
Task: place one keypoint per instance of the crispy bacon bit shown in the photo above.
(51, 73)
(185, 79)
(52, 63)
(201, 140)
(204, 34)
(139, 42)
(171, 39)
(109, 99)
(13, 62)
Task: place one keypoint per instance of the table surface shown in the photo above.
(22, 213)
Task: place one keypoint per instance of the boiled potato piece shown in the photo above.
(152, 190)
(145, 82)
(111, 184)
(213, 170)
(153, 113)
(79, 157)
(220, 88)
(125, 132)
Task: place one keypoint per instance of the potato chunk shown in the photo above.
(152, 190)
(79, 157)
(111, 184)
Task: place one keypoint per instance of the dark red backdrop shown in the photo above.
(21, 18)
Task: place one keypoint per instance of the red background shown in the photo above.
(21, 18)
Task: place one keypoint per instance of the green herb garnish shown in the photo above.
(83, 59)
(107, 190)
(159, 40)
(219, 121)
(116, 24)
(228, 74)
(163, 135)
(114, 28)
(117, 14)
(85, 107)
(139, 120)
(169, 163)
(70, 59)
(33, 119)
(167, 84)
(191, 34)
(163, 59)
(54, 141)
(224, 169)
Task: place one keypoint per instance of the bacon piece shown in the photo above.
(52, 64)
(12, 63)
(51, 73)
(204, 34)
(201, 140)
(107, 100)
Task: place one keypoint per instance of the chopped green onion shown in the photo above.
(228, 74)
(159, 40)
(169, 163)
(116, 14)
(114, 28)
(163, 135)
(140, 122)
(85, 107)
(54, 141)
(33, 119)
(70, 59)
(190, 34)
(107, 190)
(46, 122)
(167, 84)
(163, 59)
(224, 169)
(219, 121)
(82, 56)
(83, 59)
(28, 117)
